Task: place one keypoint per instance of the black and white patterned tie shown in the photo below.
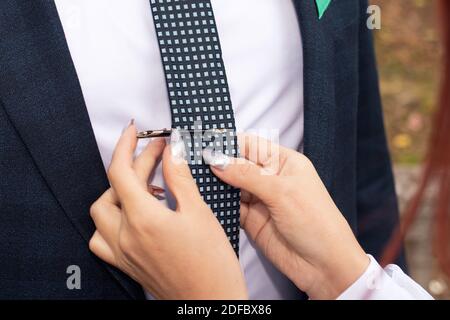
(199, 96)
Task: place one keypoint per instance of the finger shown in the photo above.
(262, 151)
(177, 173)
(146, 162)
(246, 196)
(107, 218)
(109, 196)
(121, 174)
(126, 146)
(101, 249)
(242, 174)
(248, 201)
(254, 218)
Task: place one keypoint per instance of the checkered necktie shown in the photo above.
(199, 96)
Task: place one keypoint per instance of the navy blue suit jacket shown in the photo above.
(51, 170)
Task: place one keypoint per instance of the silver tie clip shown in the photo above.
(167, 132)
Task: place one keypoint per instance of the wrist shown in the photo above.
(339, 274)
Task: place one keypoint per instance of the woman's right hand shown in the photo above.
(288, 212)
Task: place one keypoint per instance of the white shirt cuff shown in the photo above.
(388, 284)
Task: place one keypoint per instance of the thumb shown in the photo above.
(242, 174)
(177, 173)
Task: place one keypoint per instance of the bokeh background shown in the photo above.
(408, 52)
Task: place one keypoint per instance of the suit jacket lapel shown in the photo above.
(319, 90)
(40, 92)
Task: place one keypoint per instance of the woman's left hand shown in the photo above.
(153, 244)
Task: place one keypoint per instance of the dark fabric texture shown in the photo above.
(344, 129)
(50, 167)
(51, 170)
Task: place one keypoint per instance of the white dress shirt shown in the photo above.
(390, 283)
(116, 55)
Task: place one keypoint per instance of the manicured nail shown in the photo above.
(177, 146)
(130, 123)
(216, 159)
(154, 190)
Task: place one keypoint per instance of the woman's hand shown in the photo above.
(287, 211)
(182, 254)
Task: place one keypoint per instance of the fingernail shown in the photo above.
(177, 146)
(155, 190)
(129, 124)
(216, 159)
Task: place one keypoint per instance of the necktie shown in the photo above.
(199, 96)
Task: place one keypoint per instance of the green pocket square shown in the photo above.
(322, 6)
